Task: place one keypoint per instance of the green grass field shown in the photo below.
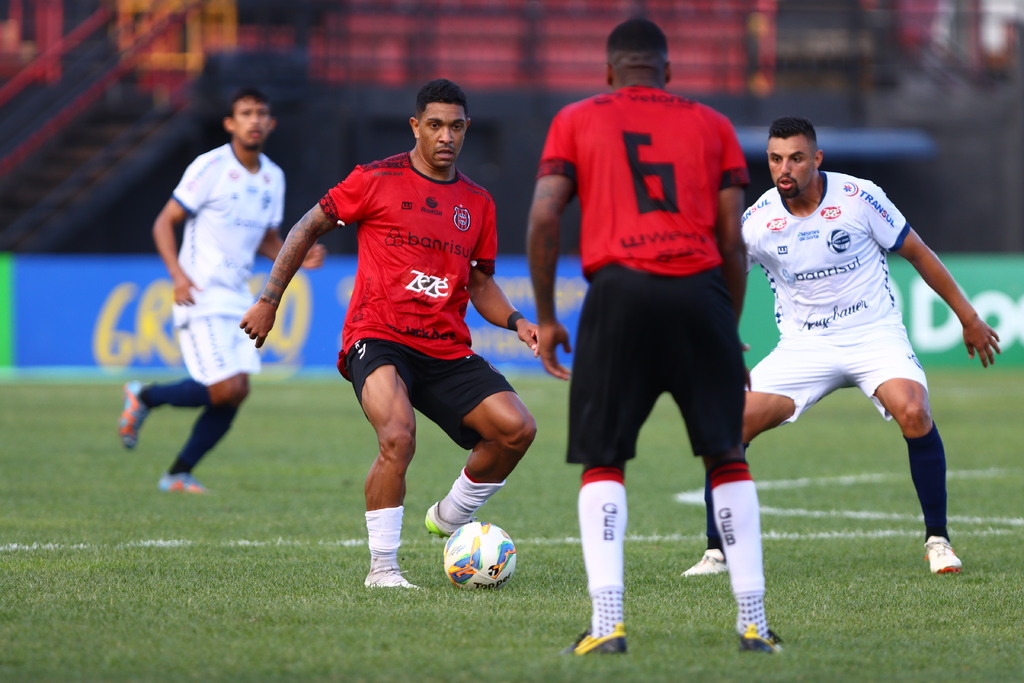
(103, 578)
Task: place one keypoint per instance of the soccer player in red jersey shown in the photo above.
(427, 242)
(660, 181)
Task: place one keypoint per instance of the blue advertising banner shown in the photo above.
(114, 313)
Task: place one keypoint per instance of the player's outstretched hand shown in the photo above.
(981, 339)
(258, 321)
(314, 257)
(550, 337)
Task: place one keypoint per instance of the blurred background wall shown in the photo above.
(104, 102)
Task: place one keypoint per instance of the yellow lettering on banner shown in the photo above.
(569, 293)
(152, 318)
(110, 346)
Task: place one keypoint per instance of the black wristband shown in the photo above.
(514, 317)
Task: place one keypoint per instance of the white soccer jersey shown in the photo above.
(230, 211)
(828, 271)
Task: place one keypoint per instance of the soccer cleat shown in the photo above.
(132, 415)
(751, 641)
(713, 562)
(612, 644)
(183, 483)
(389, 577)
(439, 527)
(941, 557)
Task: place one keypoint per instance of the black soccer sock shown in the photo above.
(928, 470)
(714, 540)
(211, 425)
(187, 393)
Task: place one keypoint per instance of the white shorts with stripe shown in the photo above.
(214, 348)
(807, 370)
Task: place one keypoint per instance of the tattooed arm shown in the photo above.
(550, 197)
(259, 319)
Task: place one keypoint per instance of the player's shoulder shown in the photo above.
(268, 165)
(216, 157)
(396, 164)
(859, 192)
(474, 187)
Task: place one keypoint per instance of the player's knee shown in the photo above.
(516, 435)
(396, 442)
(914, 419)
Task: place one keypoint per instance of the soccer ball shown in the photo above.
(479, 555)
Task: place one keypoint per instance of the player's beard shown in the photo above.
(791, 192)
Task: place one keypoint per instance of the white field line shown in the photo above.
(695, 497)
(566, 540)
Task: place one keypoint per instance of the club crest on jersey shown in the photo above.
(850, 189)
(431, 285)
(461, 217)
(234, 175)
(830, 213)
(839, 241)
(776, 224)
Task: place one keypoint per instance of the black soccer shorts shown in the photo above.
(445, 391)
(641, 335)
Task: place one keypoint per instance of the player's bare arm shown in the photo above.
(259, 319)
(271, 247)
(493, 305)
(979, 338)
(729, 235)
(172, 215)
(550, 197)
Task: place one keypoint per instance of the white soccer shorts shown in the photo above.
(807, 370)
(214, 348)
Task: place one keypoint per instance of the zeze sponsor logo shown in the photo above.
(431, 285)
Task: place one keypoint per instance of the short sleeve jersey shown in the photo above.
(648, 166)
(229, 213)
(829, 270)
(418, 239)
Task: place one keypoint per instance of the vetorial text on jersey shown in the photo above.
(837, 314)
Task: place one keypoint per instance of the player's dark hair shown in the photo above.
(638, 35)
(788, 126)
(440, 90)
(246, 93)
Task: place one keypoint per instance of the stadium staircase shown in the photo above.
(81, 117)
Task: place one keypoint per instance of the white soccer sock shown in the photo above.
(751, 611)
(384, 530)
(607, 606)
(603, 515)
(465, 497)
(738, 519)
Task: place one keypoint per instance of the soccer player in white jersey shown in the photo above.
(822, 238)
(231, 200)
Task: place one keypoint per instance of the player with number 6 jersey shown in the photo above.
(656, 212)
(660, 180)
